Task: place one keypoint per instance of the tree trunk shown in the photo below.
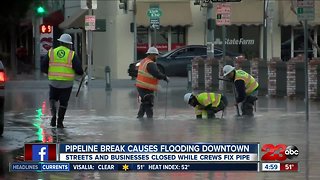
(13, 47)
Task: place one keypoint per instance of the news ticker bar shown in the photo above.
(119, 167)
(159, 148)
(116, 167)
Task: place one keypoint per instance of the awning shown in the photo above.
(288, 18)
(177, 13)
(75, 21)
(55, 18)
(247, 12)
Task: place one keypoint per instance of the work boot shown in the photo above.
(61, 113)
(247, 109)
(53, 109)
(141, 111)
(149, 112)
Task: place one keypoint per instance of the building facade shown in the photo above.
(184, 23)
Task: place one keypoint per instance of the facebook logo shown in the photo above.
(40, 152)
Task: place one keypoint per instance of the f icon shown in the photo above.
(42, 153)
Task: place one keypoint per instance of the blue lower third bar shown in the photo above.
(66, 167)
(253, 166)
(43, 167)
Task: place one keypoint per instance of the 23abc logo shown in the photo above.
(279, 152)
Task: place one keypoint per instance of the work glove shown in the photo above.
(166, 79)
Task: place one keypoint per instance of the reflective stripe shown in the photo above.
(70, 57)
(217, 100)
(145, 74)
(60, 64)
(143, 84)
(51, 55)
(60, 74)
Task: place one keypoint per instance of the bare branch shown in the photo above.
(315, 44)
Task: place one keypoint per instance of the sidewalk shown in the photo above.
(29, 81)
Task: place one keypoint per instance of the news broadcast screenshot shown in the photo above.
(160, 89)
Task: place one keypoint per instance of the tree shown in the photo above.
(314, 43)
(10, 16)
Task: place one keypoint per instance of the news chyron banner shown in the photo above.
(116, 157)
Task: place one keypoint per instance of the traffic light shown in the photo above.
(45, 28)
(123, 5)
(40, 10)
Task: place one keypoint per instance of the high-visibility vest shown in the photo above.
(206, 99)
(145, 79)
(250, 83)
(60, 64)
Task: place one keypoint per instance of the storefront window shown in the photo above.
(299, 43)
(160, 37)
(286, 43)
(178, 37)
(142, 42)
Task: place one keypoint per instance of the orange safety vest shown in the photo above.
(144, 79)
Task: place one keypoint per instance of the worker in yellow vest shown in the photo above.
(246, 87)
(147, 82)
(206, 105)
(61, 64)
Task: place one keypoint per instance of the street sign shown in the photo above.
(90, 23)
(154, 12)
(155, 23)
(305, 10)
(223, 13)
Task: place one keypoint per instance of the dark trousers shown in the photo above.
(223, 104)
(248, 104)
(62, 95)
(147, 99)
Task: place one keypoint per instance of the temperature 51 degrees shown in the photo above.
(289, 166)
(140, 166)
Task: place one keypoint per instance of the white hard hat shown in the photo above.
(153, 50)
(227, 69)
(187, 97)
(65, 38)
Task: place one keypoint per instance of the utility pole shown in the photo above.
(38, 22)
(134, 12)
(210, 32)
(264, 50)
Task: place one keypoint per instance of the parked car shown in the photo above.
(175, 62)
(2, 95)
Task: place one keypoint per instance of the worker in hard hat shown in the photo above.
(147, 82)
(206, 104)
(61, 64)
(246, 87)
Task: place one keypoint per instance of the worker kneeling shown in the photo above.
(206, 104)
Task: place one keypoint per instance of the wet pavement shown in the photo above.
(110, 116)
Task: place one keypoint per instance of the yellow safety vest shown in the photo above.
(60, 64)
(250, 83)
(205, 99)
